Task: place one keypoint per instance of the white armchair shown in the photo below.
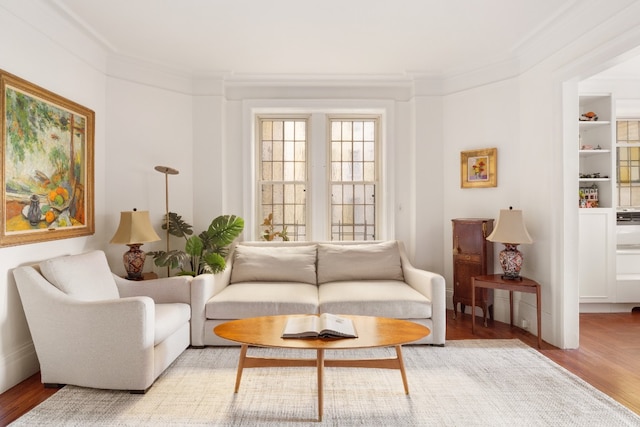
(94, 329)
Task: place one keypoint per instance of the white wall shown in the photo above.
(147, 126)
(484, 117)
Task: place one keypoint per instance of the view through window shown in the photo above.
(283, 178)
(628, 163)
(353, 179)
(351, 182)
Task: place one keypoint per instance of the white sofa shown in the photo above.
(359, 278)
(94, 329)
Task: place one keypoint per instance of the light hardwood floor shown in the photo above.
(608, 358)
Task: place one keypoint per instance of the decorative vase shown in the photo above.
(511, 261)
(33, 215)
(134, 261)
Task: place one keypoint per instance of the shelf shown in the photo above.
(596, 151)
(594, 211)
(594, 179)
(589, 123)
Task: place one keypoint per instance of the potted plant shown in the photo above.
(270, 233)
(204, 253)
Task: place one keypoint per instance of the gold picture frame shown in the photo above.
(479, 168)
(47, 162)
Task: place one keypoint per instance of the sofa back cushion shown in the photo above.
(274, 264)
(85, 276)
(367, 261)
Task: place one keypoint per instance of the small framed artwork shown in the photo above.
(47, 165)
(479, 168)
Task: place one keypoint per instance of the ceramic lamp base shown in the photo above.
(134, 261)
(511, 262)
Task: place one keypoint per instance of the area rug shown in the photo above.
(465, 383)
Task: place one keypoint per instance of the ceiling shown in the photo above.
(316, 37)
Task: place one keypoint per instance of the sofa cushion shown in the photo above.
(375, 261)
(85, 276)
(384, 298)
(250, 299)
(169, 318)
(274, 264)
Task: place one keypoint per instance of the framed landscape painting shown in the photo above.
(478, 168)
(47, 165)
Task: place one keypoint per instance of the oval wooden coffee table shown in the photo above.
(372, 332)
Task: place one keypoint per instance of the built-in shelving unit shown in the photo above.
(597, 200)
(596, 151)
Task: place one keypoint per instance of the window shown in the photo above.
(345, 202)
(353, 179)
(282, 178)
(628, 162)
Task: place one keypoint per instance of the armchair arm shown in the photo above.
(163, 290)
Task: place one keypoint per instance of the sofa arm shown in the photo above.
(203, 287)
(433, 286)
(162, 291)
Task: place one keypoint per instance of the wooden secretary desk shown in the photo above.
(472, 256)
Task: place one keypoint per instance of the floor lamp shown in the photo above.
(166, 170)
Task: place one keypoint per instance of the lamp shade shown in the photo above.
(510, 228)
(134, 227)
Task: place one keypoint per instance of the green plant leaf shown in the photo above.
(173, 259)
(177, 227)
(225, 229)
(194, 246)
(213, 263)
(186, 273)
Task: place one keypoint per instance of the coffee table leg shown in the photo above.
(243, 356)
(402, 372)
(320, 382)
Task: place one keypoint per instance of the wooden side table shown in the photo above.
(150, 275)
(495, 281)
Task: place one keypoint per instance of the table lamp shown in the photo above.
(134, 230)
(510, 231)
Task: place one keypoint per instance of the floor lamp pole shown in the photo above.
(166, 170)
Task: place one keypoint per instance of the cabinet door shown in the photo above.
(469, 237)
(463, 271)
(597, 255)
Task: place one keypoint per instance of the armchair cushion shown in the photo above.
(169, 318)
(86, 276)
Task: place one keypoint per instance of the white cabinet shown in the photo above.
(628, 275)
(597, 199)
(597, 255)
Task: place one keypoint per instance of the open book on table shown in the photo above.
(323, 326)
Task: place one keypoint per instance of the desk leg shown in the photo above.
(538, 308)
(320, 382)
(473, 305)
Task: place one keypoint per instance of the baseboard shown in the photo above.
(607, 307)
(18, 366)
